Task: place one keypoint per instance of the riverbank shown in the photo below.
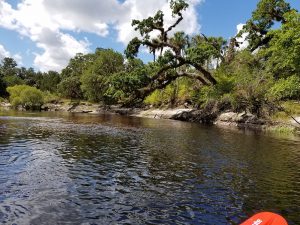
(245, 120)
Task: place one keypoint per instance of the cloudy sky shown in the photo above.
(45, 34)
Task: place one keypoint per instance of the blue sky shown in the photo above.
(44, 34)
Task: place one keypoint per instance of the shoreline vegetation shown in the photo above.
(249, 81)
(279, 123)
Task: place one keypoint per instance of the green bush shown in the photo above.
(51, 98)
(283, 89)
(178, 92)
(93, 86)
(154, 99)
(123, 86)
(26, 96)
(70, 88)
(13, 80)
(167, 96)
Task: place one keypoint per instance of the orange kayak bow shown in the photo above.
(266, 218)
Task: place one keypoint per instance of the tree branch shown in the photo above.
(213, 45)
(164, 69)
(205, 73)
(160, 44)
(175, 24)
(163, 82)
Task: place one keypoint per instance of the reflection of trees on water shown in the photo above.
(4, 136)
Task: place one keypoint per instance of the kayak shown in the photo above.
(266, 218)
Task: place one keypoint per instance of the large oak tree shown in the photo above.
(178, 54)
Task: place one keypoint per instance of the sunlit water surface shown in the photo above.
(88, 169)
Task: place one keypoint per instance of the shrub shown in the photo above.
(123, 86)
(154, 99)
(13, 80)
(174, 93)
(70, 88)
(288, 88)
(51, 98)
(26, 96)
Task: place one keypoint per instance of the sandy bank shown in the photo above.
(225, 119)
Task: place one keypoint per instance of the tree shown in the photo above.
(29, 76)
(2, 88)
(9, 67)
(179, 55)
(77, 65)
(263, 18)
(70, 88)
(95, 78)
(49, 81)
(282, 57)
(123, 85)
(70, 76)
(9, 72)
(2, 84)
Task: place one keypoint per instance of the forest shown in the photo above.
(199, 71)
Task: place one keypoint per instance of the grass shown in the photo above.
(282, 129)
(292, 107)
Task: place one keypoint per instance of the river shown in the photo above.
(106, 169)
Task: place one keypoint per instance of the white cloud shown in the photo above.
(143, 9)
(5, 53)
(46, 23)
(18, 58)
(58, 49)
(242, 40)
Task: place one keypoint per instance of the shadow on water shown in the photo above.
(89, 169)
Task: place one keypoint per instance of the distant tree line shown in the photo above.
(11, 75)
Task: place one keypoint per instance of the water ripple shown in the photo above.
(113, 170)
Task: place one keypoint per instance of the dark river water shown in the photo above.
(88, 169)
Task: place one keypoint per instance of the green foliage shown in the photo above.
(9, 67)
(70, 88)
(268, 11)
(181, 52)
(94, 80)
(283, 89)
(133, 48)
(123, 85)
(77, 65)
(282, 129)
(183, 69)
(2, 87)
(251, 83)
(26, 96)
(154, 99)
(263, 18)
(290, 108)
(241, 86)
(49, 81)
(203, 49)
(283, 54)
(176, 93)
(51, 98)
(93, 86)
(9, 74)
(70, 84)
(13, 80)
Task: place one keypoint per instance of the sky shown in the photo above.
(45, 34)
